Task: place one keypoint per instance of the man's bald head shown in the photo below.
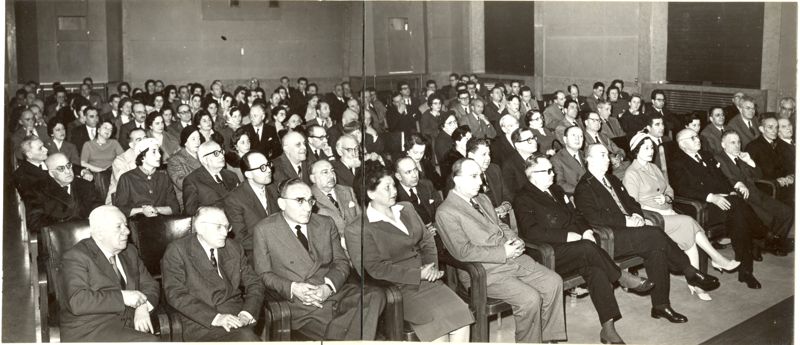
(109, 229)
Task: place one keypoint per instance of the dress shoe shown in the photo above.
(667, 313)
(635, 284)
(605, 341)
(703, 281)
(747, 278)
(757, 254)
(775, 246)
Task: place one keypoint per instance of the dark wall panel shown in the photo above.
(27, 41)
(509, 37)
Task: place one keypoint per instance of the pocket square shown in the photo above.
(351, 204)
(430, 201)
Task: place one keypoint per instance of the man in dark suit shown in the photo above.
(86, 132)
(495, 106)
(208, 281)
(502, 145)
(349, 161)
(672, 124)
(598, 90)
(514, 166)
(31, 172)
(449, 91)
(401, 121)
(568, 162)
(546, 215)
(768, 151)
(746, 124)
(209, 184)
(108, 293)
(337, 102)
(139, 114)
(27, 127)
(419, 192)
(263, 138)
(742, 172)
(603, 200)
(318, 147)
(292, 163)
(299, 255)
(492, 183)
(62, 197)
(733, 109)
(333, 200)
(253, 200)
(184, 119)
(462, 109)
(471, 232)
(574, 93)
(571, 118)
(711, 135)
(554, 113)
(695, 174)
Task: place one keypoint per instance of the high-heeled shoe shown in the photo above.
(731, 266)
(700, 293)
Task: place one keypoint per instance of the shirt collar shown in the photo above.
(462, 196)
(292, 225)
(374, 215)
(106, 253)
(256, 186)
(733, 158)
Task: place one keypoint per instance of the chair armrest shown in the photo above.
(655, 217)
(691, 207)
(606, 239)
(44, 308)
(477, 279)
(547, 256)
(164, 326)
(277, 312)
(767, 186)
(393, 313)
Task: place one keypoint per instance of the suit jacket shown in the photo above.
(429, 200)
(562, 126)
(195, 288)
(441, 145)
(80, 135)
(51, 203)
(591, 103)
(553, 115)
(514, 174)
(470, 236)
(501, 149)
(201, 189)
(741, 172)
(567, 169)
(92, 297)
(27, 178)
(498, 190)
(269, 144)
(547, 140)
(605, 141)
(478, 128)
(768, 159)
(711, 138)
(67, 148)
(612, 127)
(545, 219)
(344, 176)
(337, 107)
(745, 135)
(244, 211)
(283, 170)
(123, 132)
(597, 204)
(693, 180)
(400, 124)
(280, 259)
(493, 112)
(348, 210)
(583, 102)
(19, 135)
(459, 111)
(175, 128)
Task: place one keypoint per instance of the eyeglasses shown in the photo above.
(529, 140)
(227, 227)
(264, 167)
(300, 201)
(216, 153)
(548, 171)
(64, 168)
(351, 150)
(659, 99)
(319, 136)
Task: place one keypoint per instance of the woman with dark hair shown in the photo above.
(312, 107)
(444, 139)
(149, 92)
(211, 106)
(433, 118)
(124, 88)
(648, 186)
(240, 99)
(169, 117)
(146, 190)
(398, 248)
(460, 136)
(545, 137)
(184, 161)
(171, 97)
(197, 89)
(416, 148)
(233, 121)
(226, 104)
(158, 101)
(239, 145)
(98, 154)
(205, 125)
(633, 119)
(279, 118)
(512, 107)
(295, 123)
(156, 129)
(125, 108)
(58, 143)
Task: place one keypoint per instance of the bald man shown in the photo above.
(292, 163)
(108, 293)
(211, 183)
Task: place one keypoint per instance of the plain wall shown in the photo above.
(169, 40)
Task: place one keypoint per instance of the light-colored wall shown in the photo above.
(779, 52)
(169, 40)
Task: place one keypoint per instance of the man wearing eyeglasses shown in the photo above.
(292, 163)
(514, 166)
(745, 124)
(139, 115)
(318, 147)
(208, 281)
(62, 197)
(462, 109)
(349, 160)
(242, 203)
(209, 184)
(184, 120)
(299, 255)
(658, 108)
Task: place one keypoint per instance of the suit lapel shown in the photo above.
(202, 263)
(131, 274)
(251, 194)
(102, 262)
(289, 240)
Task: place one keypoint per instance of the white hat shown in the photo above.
(641, 135)
(146, 144)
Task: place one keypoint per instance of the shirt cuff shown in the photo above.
(246, 313)
(738, 185)
(330, 282)
(708, 197)
(291, 289)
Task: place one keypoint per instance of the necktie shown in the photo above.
(113, 261)
(750, 127)
(484, 184)
(597, 139)
(32, 132)
(301, 237)
(614, 196)
(334, 202)
(219, 180)
(258, 133)
(578, 158)
(699, 159)
(476, 207)
(316, 154)
(213, 259)
(300, 171)
(414, 197)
